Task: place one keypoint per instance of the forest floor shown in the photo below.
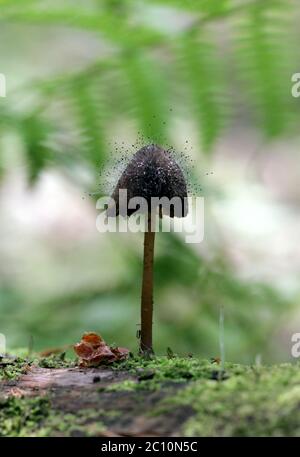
(160, 397)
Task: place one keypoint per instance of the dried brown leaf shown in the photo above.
(92, 351)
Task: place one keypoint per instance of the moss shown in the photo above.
(257, 401)
(19, 416)
(160, 369)
(34, 417)
(12, 368)
(124, 386)
(84, 423)
(56, 361)
(156, 373)
(242, 401)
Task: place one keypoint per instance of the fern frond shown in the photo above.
(212, 9)
(202, 6)
(86, 100)
(198, 63)
(263, 66)
(109, 25)
(35, 133)
(147, 94)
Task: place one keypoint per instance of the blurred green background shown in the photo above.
(87, 80)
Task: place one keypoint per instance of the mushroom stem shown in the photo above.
(147, 292)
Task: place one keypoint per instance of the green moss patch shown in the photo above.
(20, 416)
(56, 361)
(152, 373)
(258, 401)
(187, 396)
(34, 417)
(12, 368)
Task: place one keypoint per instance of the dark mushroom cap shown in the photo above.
(152, 172)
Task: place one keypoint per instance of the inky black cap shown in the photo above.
(152, 172)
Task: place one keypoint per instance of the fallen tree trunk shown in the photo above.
(160, 397)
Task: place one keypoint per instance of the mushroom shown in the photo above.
(152, 172)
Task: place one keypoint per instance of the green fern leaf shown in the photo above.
(197, 61)
(35, 132)
(147, 95)
(263, 66)
(87, 106)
